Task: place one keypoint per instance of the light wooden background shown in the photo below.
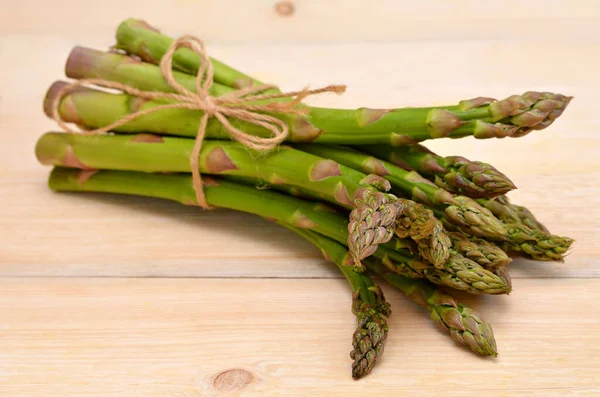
(117, 296)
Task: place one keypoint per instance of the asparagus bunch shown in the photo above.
(354, 182)
(139, 39)
(481, 118)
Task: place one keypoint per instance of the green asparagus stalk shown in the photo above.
(526, 235)
(455, 174)
(321, 178)
(368, 304)
(529, 220)
(514, 116)
(459, 210)
(479, 278)
(504, 213)
(535, 244)
(152, 153)
(368, 337)
(462, 322)
(140, 38)
(469, 276)
(523, 214)
(87, 63)
(459, 273)
(361, 235)
(93, 108)
(485, 253)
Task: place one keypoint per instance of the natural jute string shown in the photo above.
(235, 105)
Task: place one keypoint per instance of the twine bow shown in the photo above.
(235, 105)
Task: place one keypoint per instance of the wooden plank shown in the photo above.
(230, 331)
(198, 337)
(318, 20)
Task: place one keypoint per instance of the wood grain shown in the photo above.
(320, 20)
(169, 337)
(118, 296)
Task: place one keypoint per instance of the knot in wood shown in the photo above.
(233, 379)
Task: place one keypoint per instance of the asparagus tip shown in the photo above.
(478, 220)
(485, 253)
(469, 329)
(503, 273)
(436, 247)
(475, 178)
(462, 273)
(414, 220)
(536, 244)
(371, 222)
(371, 333)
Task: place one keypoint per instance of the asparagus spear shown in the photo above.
(459, 273)
(368, 304)
(152, 153)
(86, 63)
(454, 173)
(504, 213)
(322, 178)
(528, 219)
(459, 210)
(525, 234)
(140, 38)
(462, 322)
(93, 108)
(436, 247)
(485, 253)
(367, 235)
(523, 214)
(535, 244)
(514, 116)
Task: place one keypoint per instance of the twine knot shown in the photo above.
(240, 105)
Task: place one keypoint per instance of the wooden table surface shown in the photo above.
(119, 296)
